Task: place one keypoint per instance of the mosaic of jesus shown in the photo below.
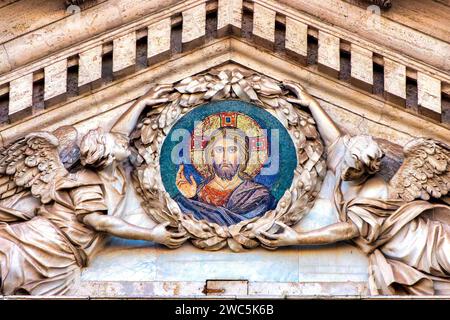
(227, 161)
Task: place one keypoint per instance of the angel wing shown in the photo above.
(32, 163)
(425, 171)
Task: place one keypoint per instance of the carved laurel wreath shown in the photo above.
(268, 94)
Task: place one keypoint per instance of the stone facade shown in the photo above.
(385, 75)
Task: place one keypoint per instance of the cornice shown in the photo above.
(160, 27)
(107, 102)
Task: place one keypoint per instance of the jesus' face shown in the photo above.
(227, 153)
(226, 158)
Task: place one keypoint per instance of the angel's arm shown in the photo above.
(329, 131)
(129, 119)
(120, 228)
(336, 232)
(117, 227)
(340, 231)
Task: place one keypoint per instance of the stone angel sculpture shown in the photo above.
(42, 250)
(403, 225)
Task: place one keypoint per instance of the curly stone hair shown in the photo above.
(362, 157)
(96, 148)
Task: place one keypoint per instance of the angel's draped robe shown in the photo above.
(408, 244)
(247, 201)
(43, 256)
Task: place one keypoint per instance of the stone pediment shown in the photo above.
(85, 70)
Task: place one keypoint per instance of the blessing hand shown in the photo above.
(188, 188)
(287, 237)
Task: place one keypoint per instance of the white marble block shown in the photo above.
(296, 37)
(429, 92)
(394, 81)
(194, 23)
(361, 67)
(329, 54)
(159, 38)
(90, 65)
(55, 79)
(20, 94)
(124, 52)
(264, 22)
(229, 13)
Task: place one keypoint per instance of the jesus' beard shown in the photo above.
(226, 172)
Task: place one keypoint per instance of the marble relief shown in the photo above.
(225, 159)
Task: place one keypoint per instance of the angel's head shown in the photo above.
(100, 149)
(362, 157)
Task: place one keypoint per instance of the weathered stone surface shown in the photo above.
(20, 94)
(289, 290)
(429, 92)
(124, 52)
(20, 17)
(328, 55)
(187, 264)
(229, 13)
(296, 37)
(90, 65)
(394, 79)
(194, 23)
(403, 33)
(353, 110)
(28, 45)
(226, 287)
(4, 60)
(264, 22)
(361, 67)
(55, 79)
(159, 38)
(292, 290)
(139, 289)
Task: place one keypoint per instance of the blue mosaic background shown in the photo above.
(277, 183)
